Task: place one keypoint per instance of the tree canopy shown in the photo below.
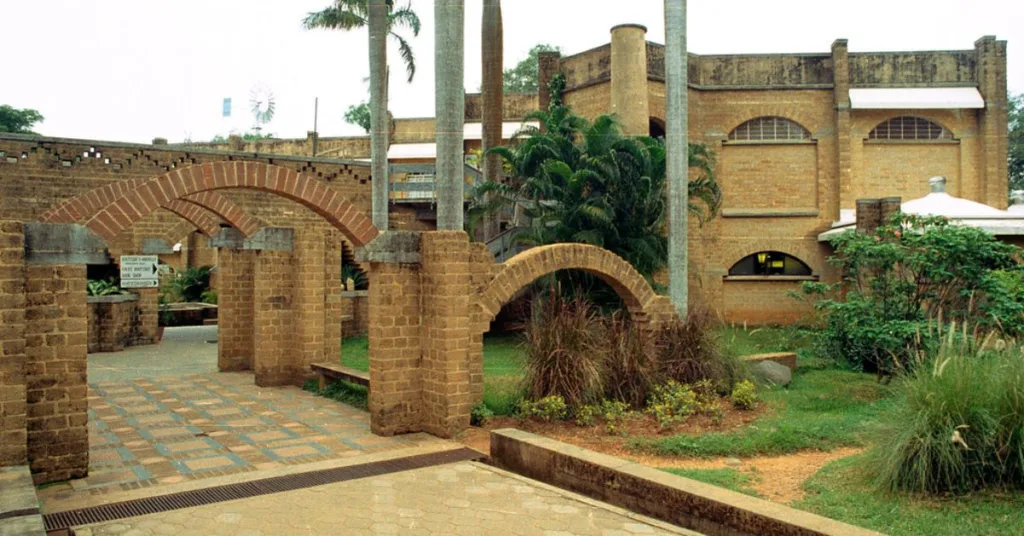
(18, 121)
(523, 78)
(353, 14)
(1015, 136)
(359, 114)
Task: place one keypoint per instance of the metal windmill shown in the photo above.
(261, 102)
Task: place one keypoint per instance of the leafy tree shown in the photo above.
(1015, 135)
(359, 114)
(352, 14)
(523, 78)
(248, 136)
(19, 121)
(582, 181)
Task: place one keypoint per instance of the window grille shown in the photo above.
(769, 129)
(907, 127)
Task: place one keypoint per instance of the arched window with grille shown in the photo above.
(769, 129)
(909, 127)
(770, 263)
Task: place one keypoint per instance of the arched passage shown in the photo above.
(196, 215)
(180, 183)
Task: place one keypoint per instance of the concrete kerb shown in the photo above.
(681, 501)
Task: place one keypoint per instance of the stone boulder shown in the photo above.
(772, 373)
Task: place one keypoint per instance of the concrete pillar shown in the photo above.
(992, 127)
(56, 392)
(396, 395)
(445, 297)
(843, 124)
(13, 409)
(450, 100)
(235, 310)
(629, 79)
(274, 342)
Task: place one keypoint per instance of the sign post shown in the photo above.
(140, 271)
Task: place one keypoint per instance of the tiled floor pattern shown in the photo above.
(168, 429)
(462, 498)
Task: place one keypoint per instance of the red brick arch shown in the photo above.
(90, 203)
(134, 205)
(526, 267)
(196, 215)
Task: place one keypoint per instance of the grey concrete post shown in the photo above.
(677, 149)
(378, 27)
(450, 99)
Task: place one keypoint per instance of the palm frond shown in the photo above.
(407, 56)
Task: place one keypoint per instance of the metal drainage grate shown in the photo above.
(242, 490)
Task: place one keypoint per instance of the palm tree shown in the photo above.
(676, 141)
(377, 23)
(352, 14)
(492, 95)
(450, 104)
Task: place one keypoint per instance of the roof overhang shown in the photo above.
(917, 98)
(994, 226)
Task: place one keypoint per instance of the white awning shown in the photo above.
(918, 98)
(402, 151)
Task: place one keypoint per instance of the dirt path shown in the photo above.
(777, 478)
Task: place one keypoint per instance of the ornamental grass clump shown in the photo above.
(630, 362)
(957, 423)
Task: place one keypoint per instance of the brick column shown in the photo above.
(235, 310)
(481, 262)
(55, 348)
(548, 65)
(445, 296)
(991, 76)
(13, 434)
(309, 299)
(843, 124)
(629, 99)
(149, 315)
(332, 296)
(869, 215)
(396, 397)
(273, 319)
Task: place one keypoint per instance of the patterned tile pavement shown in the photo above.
(168, 429)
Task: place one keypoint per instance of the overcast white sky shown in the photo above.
(131, 70)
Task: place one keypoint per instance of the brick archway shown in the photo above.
(196, 215)
(90, 203)
(134, 205)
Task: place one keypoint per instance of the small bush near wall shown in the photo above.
(957, 424)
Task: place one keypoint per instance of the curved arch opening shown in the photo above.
(770, 263)
(656, 128)
(909, 127)
(769, 128)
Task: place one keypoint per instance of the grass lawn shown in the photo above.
(723, 478)
(502, 368)
(821, 409)
(738, 340)
(839, 491)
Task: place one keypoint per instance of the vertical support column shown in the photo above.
(446, 375)
(235, 318)
(308, 308)
(481, 261)
(273, 319)
(377, 21)
(548, 65)
(332, 296)
(149, 315)
(992, 127)
(450, 100)
(843, 125)
(869, 214)
(13, 410)
(55, 348)
(396, 397)
(629, 79)
(676, 149)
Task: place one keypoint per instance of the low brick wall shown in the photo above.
(114, 322)
(19, 506)
(687, 503)
(356, 305)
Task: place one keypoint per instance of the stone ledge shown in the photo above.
(769, 212)
(355, 293)
(112, 298)
(687, 503)
(786, 359)
(392, 247)
(19, 506)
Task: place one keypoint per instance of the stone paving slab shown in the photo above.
(464, 498)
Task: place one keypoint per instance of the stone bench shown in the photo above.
(330, 371)
(19, 506)
(786, 359)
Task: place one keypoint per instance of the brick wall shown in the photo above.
(273, 318)
(763, 302)
(13, 434)
(113, 325)
(769, 176)
(55, 348)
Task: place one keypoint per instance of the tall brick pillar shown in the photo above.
(55, 350)
(274, 349)
(149, 315)
(13, 409)
(396, 396)
(548, 65)
(481, 261)
(991, 76)
(235, 309)
(309, 297)
(332, 296)
(445, 281)
(629, 79)
(869, 215)
(843, 124)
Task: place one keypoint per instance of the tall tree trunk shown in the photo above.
(378, 27)
(450, 100)
(677, 151)
(492, 91)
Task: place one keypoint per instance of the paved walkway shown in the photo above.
(184, 350)
(463, 498)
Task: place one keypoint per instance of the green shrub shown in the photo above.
(744, 395)
(672, 403)
(96, 287)
(585, 415)
(613, 412)
(550, 408)
(356, 274)
(189, 284)
(958, 421)
(209, 296)
(564, 346)
(480, 414)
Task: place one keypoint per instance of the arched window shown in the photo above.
(770, 263)
(908, 127)
(656, 128)
(769, 129)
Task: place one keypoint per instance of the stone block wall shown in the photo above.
(55, 349)
(13, 407)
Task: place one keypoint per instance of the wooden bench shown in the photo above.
(331, 371)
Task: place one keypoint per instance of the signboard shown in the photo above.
(140, 271)
(227, 107)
